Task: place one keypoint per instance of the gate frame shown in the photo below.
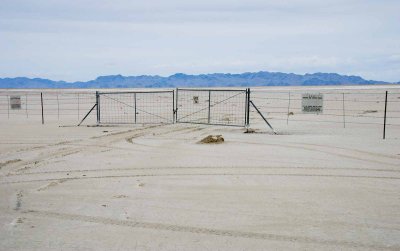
(246, 91)
(175, 106)
(131, 92)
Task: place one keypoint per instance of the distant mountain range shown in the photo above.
(262, 78)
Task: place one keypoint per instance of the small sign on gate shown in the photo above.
(15, 102)
(312, 103)
(195, 99)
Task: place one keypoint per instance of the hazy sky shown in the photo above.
(80, 40)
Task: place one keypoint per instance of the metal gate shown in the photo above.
(149, 107)
(212, 106)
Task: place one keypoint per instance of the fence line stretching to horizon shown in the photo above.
(341, 108)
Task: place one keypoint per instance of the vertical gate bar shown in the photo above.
(288, 111)
(344, 114)
(176, 109)
(41, 101)
(26, 105)
(384, 119)
(248, 107)
(209, 105)
(134, 96)
(58, 108)
(173, 106)
(98, 107)
(245, 108)
(8, 107)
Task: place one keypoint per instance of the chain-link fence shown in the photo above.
(284, 109)
(62, 107)
(149, 107)
(211, 106)
(339, 108)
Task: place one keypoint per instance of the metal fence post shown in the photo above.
(288, 111)
(173, 106)
(97, 107)
(245, 108)
(41, 102)
(176, 108)
(384, 118)
(134, 97)
(209, 105)
(344, 114)
(248, 106)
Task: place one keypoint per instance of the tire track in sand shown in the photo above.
(304, 147)
(381, 155)
(207, 231)
(64, 151)
(207, 174)
(201, 167)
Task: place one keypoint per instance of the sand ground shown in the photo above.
(153, 187)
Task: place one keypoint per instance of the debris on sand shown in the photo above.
(370, 111)
(18, 201)
(51, 184)
(8, 162)
(18, 220)
(290, 113)
(249, 130)
(120, 196)
(226, 118)
(212, 139)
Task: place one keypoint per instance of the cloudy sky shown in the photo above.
(80, 40)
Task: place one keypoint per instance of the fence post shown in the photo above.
(97, 107)
(288, 110)
(248, 106)
(176, 108)
(8, 107)
(344, 114)
(41, 102)
(26, 105)
(134, 97)
(209, 105)
(245, 109)
(384, 118)
(173, 106)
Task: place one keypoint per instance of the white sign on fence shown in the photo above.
(312, 103)
(15, 102)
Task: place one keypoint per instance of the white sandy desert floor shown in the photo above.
(153, 187)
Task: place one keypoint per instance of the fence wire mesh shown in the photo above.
(136, 107)
(216, 107)
(341, 107)
(69, 107)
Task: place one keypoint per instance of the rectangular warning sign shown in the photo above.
(15, 102)
(312, 103)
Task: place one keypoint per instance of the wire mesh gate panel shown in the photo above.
(214, 107)
(135, 107)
